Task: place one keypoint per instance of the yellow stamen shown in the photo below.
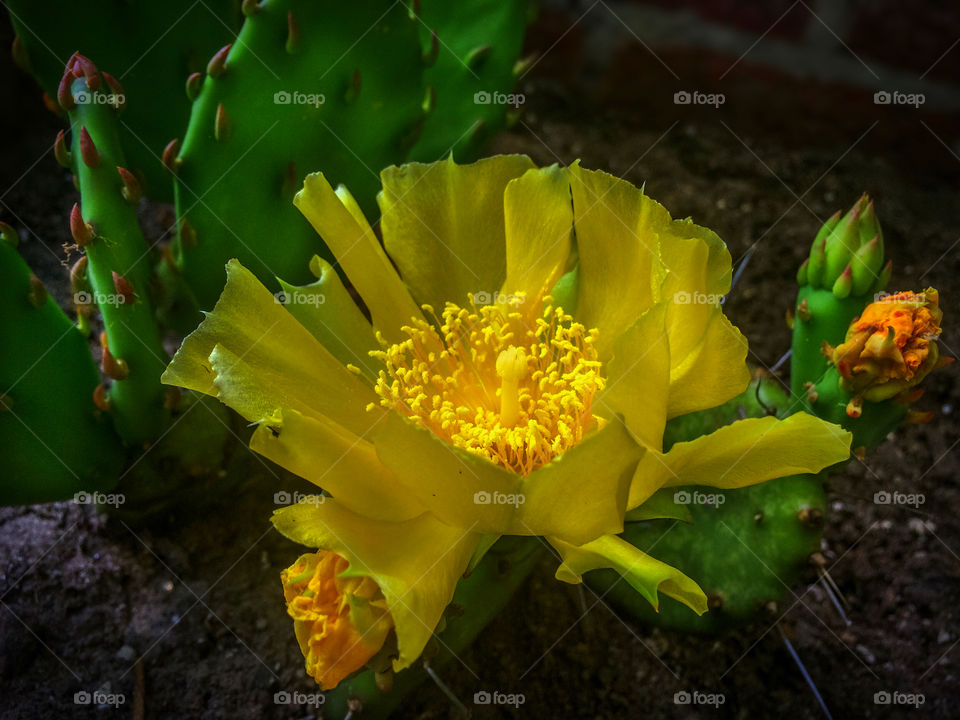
(514, 391)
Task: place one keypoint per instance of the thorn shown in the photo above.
(811, 517)
(50, 104)
(293, 34)
(78, 275)
(521, 66)
(221, 123)
(113, 367)
(88, 151)
(915, 417)
(789, 318)
(812, 394)
(827, 350)
(131, 190)
(429, 56)
(37, 293)
(169, 157)
(475, 58)
(9, 235)
(802, 272)
(171, 398)
(843, 284)
(218, 63)
(194, 83)
(855, 407)
(100, 398)
(860, 452)
(124, 289)
(249, 8)
(289, 185)
(61, 153)
(81, 230)
(803, 311)
(188, 236)
(88, 70)
(20, 56)
(64, 93)
(429, 100)
(356, 81)
(117, 89)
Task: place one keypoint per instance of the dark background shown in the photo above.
(798, 136)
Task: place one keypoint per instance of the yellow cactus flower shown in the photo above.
(527, 333)
(892, 346)
(340, 621)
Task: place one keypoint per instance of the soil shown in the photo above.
(186, 615)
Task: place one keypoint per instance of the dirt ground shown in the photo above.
(197, 598)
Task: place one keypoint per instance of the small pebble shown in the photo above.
(261, 624)
(126, 653)
(867, 655)
(168, 586)
(944, 637)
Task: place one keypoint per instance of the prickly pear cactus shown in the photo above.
(474, 48)
(152, 46)
(64, 443)
(104, 225)
(743, 547)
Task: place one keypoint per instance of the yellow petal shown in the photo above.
(743, 453)
(266, 360)
(714, 372)
(617, 229)
(337, 460)
(638, 378)
(460, 488)
(443, 225)
(339, 221)
(645, 574)
(582, 494)
(416, 563)
(326, 309)
(539, 223)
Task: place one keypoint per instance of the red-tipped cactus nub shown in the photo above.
(131, 190)
(81, 230)
(88, 151)
(293, 34)
(61, 153)
(169, 158)
(194, 83)
(218, 63)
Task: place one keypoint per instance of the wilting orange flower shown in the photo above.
(340, 621)
(890, 347)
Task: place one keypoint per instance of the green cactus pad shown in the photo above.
(56, 442)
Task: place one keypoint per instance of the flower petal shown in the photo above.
(746, 452)
(265, 360)
(460, 488)
(443, 225)
(617, 229)
(416, 563)
(638, 378)
(645, 574)
(341, 224)
(326, 309)
(337, 460)
(714, 372)
(539, 224)
(582, 494)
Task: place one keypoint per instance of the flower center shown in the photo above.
(491, 382)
